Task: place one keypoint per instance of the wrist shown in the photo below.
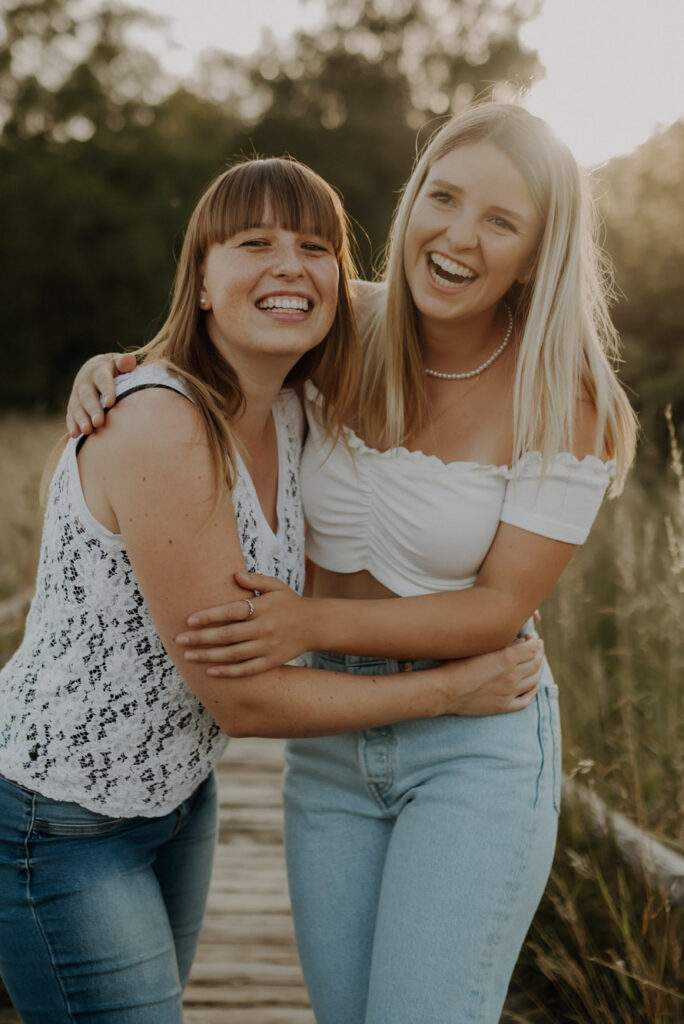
(321, 624)
(439, 681)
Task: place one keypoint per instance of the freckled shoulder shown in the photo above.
(155, 416)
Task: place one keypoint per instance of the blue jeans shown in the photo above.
(99, 917)
(417, 854)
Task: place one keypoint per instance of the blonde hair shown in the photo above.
(568, 343)
(298, 200)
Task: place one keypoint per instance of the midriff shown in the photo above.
(355, 586)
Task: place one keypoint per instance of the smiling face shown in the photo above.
(268, 291)
(472, 233)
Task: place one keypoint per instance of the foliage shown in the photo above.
(643, 204)
(102, 159)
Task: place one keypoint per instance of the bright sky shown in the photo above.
(615, 68)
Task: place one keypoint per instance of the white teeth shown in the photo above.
(450, 266)
(288, 302)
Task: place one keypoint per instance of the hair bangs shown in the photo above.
(274, 191)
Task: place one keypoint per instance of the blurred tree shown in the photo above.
(643, 204)
(66, 73)
(378, 71)
(101, 161)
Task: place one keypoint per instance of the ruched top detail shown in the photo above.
(420, 525)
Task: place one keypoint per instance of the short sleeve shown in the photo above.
(560, 503)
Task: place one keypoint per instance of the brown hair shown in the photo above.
(298, 200)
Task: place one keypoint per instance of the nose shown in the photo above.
(288, 261)
(461, 230)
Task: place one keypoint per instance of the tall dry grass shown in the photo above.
(606, 946)
(25, 443)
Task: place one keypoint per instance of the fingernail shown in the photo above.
(182, 639)
(213, 672)
(192, 621)
(190, 656)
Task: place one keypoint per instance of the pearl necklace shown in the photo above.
(487, 362)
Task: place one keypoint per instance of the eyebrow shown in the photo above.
(448, 186)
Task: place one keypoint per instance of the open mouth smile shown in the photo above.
(448, 272)
(288, 304)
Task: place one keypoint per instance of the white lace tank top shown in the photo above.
(92, 709)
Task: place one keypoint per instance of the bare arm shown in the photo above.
(520, 570)
(185, 552)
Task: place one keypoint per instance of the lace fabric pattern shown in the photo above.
(93, 709)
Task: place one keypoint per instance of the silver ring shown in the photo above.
(250, 606)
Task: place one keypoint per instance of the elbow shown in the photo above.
(240, 719)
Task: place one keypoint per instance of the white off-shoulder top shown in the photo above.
(420, 525)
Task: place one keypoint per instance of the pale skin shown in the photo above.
(184, 546)
(476, 213)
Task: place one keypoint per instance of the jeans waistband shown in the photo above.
(371, 662)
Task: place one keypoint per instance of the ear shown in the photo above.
(528, 274)
(203, 297)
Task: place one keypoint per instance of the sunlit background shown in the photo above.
(614, 68)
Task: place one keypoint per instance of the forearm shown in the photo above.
(300, 702)
(456, 624)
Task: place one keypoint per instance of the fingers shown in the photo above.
(224, 655)
(126, 362)
(523, 700)
(236, 611)
(243, 668)
(255, 581)
(522, 651)
(211, 636)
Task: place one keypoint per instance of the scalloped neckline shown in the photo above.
(566, 458)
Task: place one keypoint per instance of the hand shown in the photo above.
(95, 379)
(496, 683)
(236, 643)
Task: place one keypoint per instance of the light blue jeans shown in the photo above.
(417, 855)
(99, 917)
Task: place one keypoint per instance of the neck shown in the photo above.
(458, 347)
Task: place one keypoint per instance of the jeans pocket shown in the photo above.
(60, 818)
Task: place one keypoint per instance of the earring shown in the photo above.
(203, 300)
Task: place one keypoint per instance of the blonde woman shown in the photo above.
(489, 426)
(108, 737)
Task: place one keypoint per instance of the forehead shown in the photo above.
(290, 203)
(486, 172)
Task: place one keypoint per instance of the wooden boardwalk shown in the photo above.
(246, 970)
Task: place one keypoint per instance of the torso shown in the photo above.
(468, 421)
(91, 683)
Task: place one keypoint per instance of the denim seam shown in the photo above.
(555, 754)
(540, 740)
(34, 909)
(502, 915)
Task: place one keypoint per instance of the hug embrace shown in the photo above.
(448, 434)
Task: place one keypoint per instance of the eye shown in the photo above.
(442, 197)
(502, 224)
(314, 245)
(255, 243)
